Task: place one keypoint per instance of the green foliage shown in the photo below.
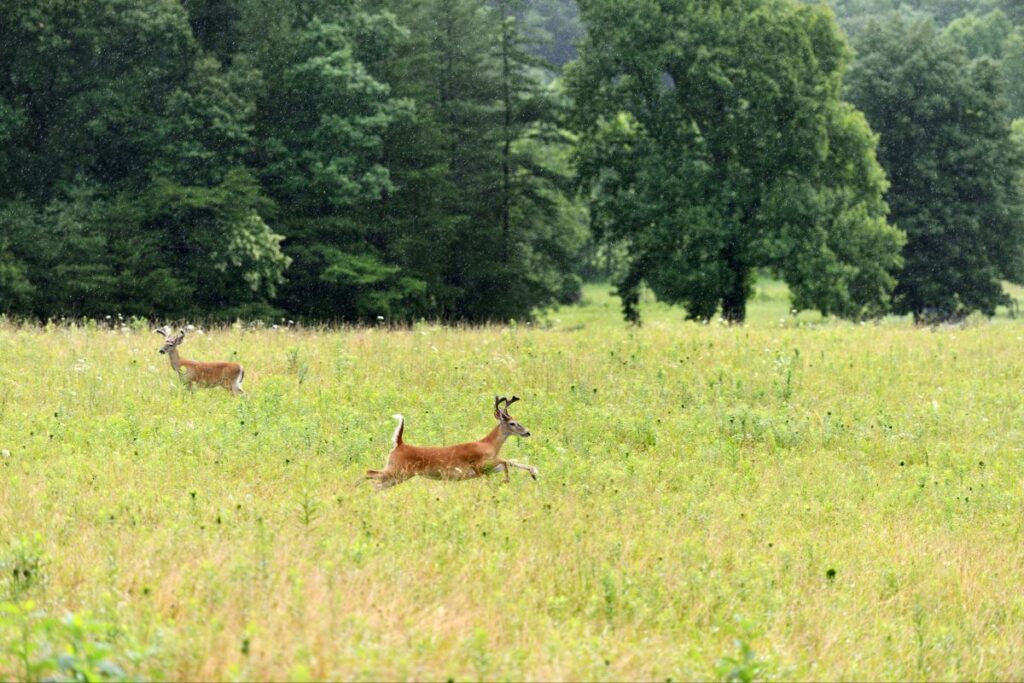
(22, 567)
(252, 158)
(61, 252)
(75, 647)
(856, 15)
(209, 125)
(227, 256)
(1013, 71)
(132, 193)
(994, 36)
(745, 667)
(839, 255)
(15, 289)
(86, 88)
(554, 25)
(713, 142)
(348, 160)
(479, 215)
(954, 167)
(981, 36)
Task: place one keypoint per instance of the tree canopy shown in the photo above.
(261, 158)
(714, 142)
(341, 160)
(946, 144)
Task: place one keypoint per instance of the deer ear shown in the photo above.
(181, 335)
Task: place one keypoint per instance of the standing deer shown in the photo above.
(218, 374)
(462, 461)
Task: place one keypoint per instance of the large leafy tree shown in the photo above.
(713, 142)
(946, 144)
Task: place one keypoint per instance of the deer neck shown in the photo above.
(497, 438)
(172, 355)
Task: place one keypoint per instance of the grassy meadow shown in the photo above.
(790, 499)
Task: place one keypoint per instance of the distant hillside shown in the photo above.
(853, 15)
(555, 24)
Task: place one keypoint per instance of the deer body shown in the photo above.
(216, 374)
(461, 461)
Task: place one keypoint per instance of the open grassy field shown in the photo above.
(789, 499)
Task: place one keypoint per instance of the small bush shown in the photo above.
(35, 646)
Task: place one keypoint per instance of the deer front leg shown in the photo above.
(503, 466)
(529, 468)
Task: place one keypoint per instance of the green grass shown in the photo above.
(796, 498)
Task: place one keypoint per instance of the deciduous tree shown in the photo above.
(713, 142)
(945, 142)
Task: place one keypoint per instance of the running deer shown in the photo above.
(219, 374)
(462, 461)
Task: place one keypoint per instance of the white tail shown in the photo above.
(396, 438)
(219, 374)
(462, 461)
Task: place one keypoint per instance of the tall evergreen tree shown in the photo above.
(479, 216)
(320, 119)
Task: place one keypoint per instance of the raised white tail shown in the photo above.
(396, 438)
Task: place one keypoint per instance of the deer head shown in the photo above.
(507, 422)
(170, 341)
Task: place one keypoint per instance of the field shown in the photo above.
(795, 498)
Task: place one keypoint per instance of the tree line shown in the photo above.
(320, 159)
(348, 159)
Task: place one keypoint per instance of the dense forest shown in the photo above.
(474, 160)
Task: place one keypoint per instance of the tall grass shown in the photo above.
(789, 499)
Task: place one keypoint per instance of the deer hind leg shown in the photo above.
(388, 482)
(386, 479)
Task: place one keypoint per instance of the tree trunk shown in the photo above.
(734, 298)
